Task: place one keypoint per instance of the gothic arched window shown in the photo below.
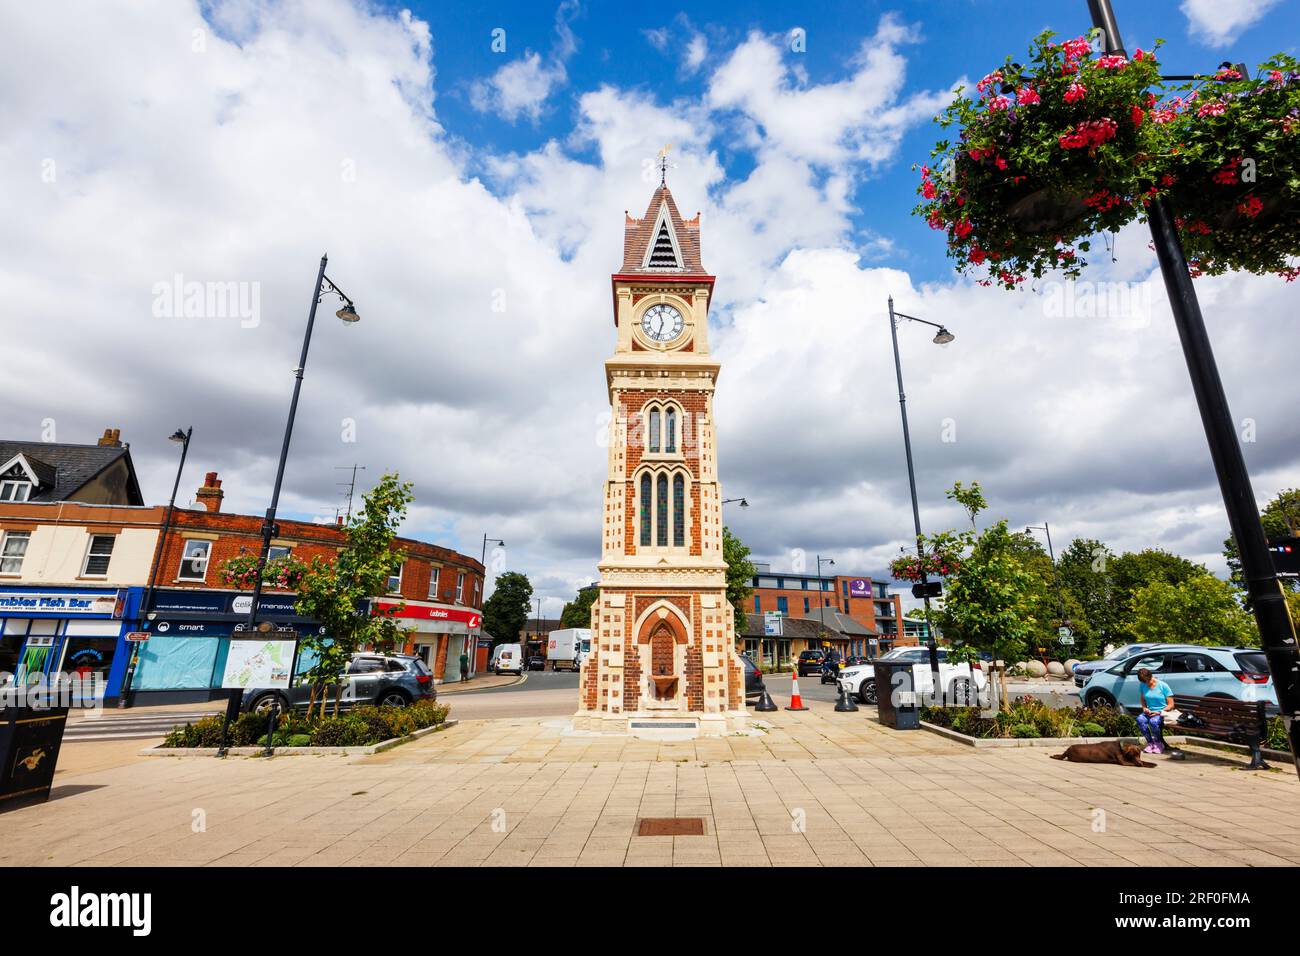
(679, 511)
(661, 512)
(645, 511)
(670, 420)
(654, 430)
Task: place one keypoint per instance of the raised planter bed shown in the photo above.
(160, 751)
(996, 743)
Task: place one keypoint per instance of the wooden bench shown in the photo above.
(1237, 721)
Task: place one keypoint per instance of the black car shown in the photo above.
(810, 663)
(754, 686)
(535, 662)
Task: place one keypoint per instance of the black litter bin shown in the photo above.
(30, 739)
(896, 695)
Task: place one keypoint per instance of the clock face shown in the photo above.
(662, 323)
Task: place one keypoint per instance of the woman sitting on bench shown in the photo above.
(1157, 700)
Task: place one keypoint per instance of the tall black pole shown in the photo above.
(146, 602)
(916, 508)
(268, 526)
(1277, 632)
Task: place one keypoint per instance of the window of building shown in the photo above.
(670, 423)
(98, 555)
(194, 560)
(395, 580)
(11, 490)
(433, 584)
(783, 605)
(679, 511)
(654, 430)
(460, 588)
(846, 607)
(478, 592)
(13, 548)
(844, 587)
(758, 607)
(645, 510)
(661, 510)
(278, 551)
(805, 605)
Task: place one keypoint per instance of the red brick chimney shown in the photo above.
(112, 438)
(210, 494)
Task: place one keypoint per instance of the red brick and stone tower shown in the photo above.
(663, 641)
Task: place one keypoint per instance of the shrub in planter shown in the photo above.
(346, 731)
(1089, 729)
(1025, 731)
(205, 732)
(1233, 172)
(428, 713)
(1047, 154)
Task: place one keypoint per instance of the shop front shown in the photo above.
(46, 631)
(439, 633)
(189, 633)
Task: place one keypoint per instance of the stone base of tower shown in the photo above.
(663, 661)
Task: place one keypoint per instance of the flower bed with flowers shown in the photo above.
(1234, 170)
(358, 727)
(1029, 717)
(282, 574)
(1075, 143)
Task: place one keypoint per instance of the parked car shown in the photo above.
(392, 680)
(858, 661)
(1086, 669)
(954, 678)
(754, 685)
(1240, 673)
(810, 663)
(535, 662)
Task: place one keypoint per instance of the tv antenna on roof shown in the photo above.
(351, 486)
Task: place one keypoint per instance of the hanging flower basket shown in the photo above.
(910, 567)
(1046, 155)
(282, 574)
(1234, 170)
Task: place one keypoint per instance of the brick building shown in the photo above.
(866, 602)
(663, 647)
(75, 576)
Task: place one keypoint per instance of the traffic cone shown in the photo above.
(765, 702)
(845, 704)
(796, 702)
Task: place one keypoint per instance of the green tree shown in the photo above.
(971, 499)
(1085, 573)
(1200, 610)
(1130, 572)
(335, 593)
(505, 613)
(1281, 519)
(577, 613)
(740, 576)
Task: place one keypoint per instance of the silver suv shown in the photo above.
(394, 680)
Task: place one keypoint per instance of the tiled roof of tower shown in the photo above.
(639, 234)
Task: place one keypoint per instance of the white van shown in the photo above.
(507, 658)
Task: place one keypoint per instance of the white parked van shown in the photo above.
(507, 659)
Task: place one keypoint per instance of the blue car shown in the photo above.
(1122, 653)
(1240, 673)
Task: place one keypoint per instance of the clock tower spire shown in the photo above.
(663, 632)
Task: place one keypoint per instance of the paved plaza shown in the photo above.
(818, 788)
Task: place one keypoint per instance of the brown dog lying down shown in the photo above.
(1106, 751)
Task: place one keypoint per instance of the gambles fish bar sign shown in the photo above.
(58, 603)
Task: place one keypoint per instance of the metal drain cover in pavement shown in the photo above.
(663, 725)
(671, 826)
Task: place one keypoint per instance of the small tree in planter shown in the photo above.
(335, 593)
(1047, 155)
(1234, 170)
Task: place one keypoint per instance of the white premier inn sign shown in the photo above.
(57, 603)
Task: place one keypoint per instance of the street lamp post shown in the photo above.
(483, 562)
(348, 314)
(942, 337)
(182, 438)
(1056, 580)
(821, 611)
(743, 502)
(1277, 632)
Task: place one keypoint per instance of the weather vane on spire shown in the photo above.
(664, 164)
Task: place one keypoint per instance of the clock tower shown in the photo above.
(663, 633)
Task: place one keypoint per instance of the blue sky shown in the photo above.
(955, 38)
